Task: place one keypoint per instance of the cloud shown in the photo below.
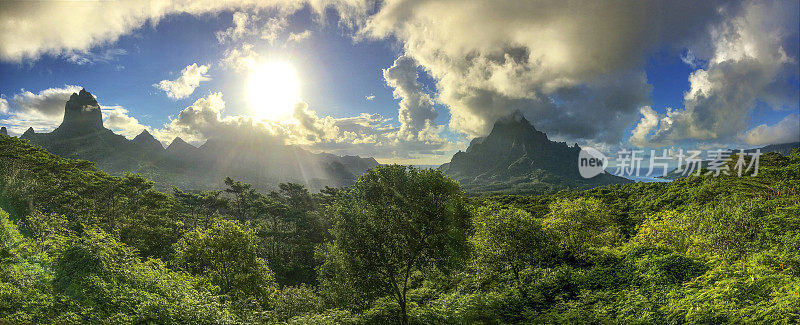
(297, 37)
(365, 134)
(416, 114)
(3, 106)
(648, 122)
(88, 57)
(242, 58)
(30, 29)
(316, 129)
(369, 97)
(787, 130)
(46, 103)
(190, 78)
(204, 119)
(576, 69)
(116, 118)
(747, 64)
(44, 111)
(545, 58)
(246, 25)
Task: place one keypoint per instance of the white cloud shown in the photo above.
(29, 29)
(297, 37)
(47, 103)
(116, 118)
(3, 106)
(204, 119)
(246, 25)
(190, 78)
(747, 64)
(787, 130)
(365, 134)
(88, 57)
(548, 58)
(315, 129)
(642, 130)
(416, 114)
(243, 58)
(545, 58)
(238, 30)
(44, 111)
(369, 97)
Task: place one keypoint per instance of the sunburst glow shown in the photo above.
(272, 90)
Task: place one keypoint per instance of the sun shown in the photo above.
(272, 90)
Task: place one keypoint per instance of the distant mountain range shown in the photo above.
(513, 158)
(517, 158)
(262, 163)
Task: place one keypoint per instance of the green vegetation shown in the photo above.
(401, 245)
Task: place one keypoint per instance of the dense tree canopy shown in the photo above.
(402, 245)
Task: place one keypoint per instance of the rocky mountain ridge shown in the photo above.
(82, 135)
(517, 158)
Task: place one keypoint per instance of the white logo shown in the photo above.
(591, 162)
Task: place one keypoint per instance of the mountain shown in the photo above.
(147, 141)
(783, 148)
(263, 162)
(182, 150)
(517, 158)
(81, 135)
(81, 116)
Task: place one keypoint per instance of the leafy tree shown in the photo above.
(243, 197)
(225, 256)
(394, 222)
(510, 239)
(201, 207)
(582, 225)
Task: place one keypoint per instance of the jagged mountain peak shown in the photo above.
(516, 155)
(81, 115)
(510, 133)
(515, 117)
(28, 132)
(262, 161)
(146, 140)
(179, 142)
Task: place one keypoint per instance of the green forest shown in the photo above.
(400, 246)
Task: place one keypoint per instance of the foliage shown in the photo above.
(402, 245)
(396, 222)
(224, 256)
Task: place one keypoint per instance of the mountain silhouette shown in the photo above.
(515, 157)
(82, 115)
(263, 163)
(147, 141)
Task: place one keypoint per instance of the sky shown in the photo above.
(410, 81)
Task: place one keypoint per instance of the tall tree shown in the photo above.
(397, 221)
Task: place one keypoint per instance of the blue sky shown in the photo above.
(471, 68)
(336, 73)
